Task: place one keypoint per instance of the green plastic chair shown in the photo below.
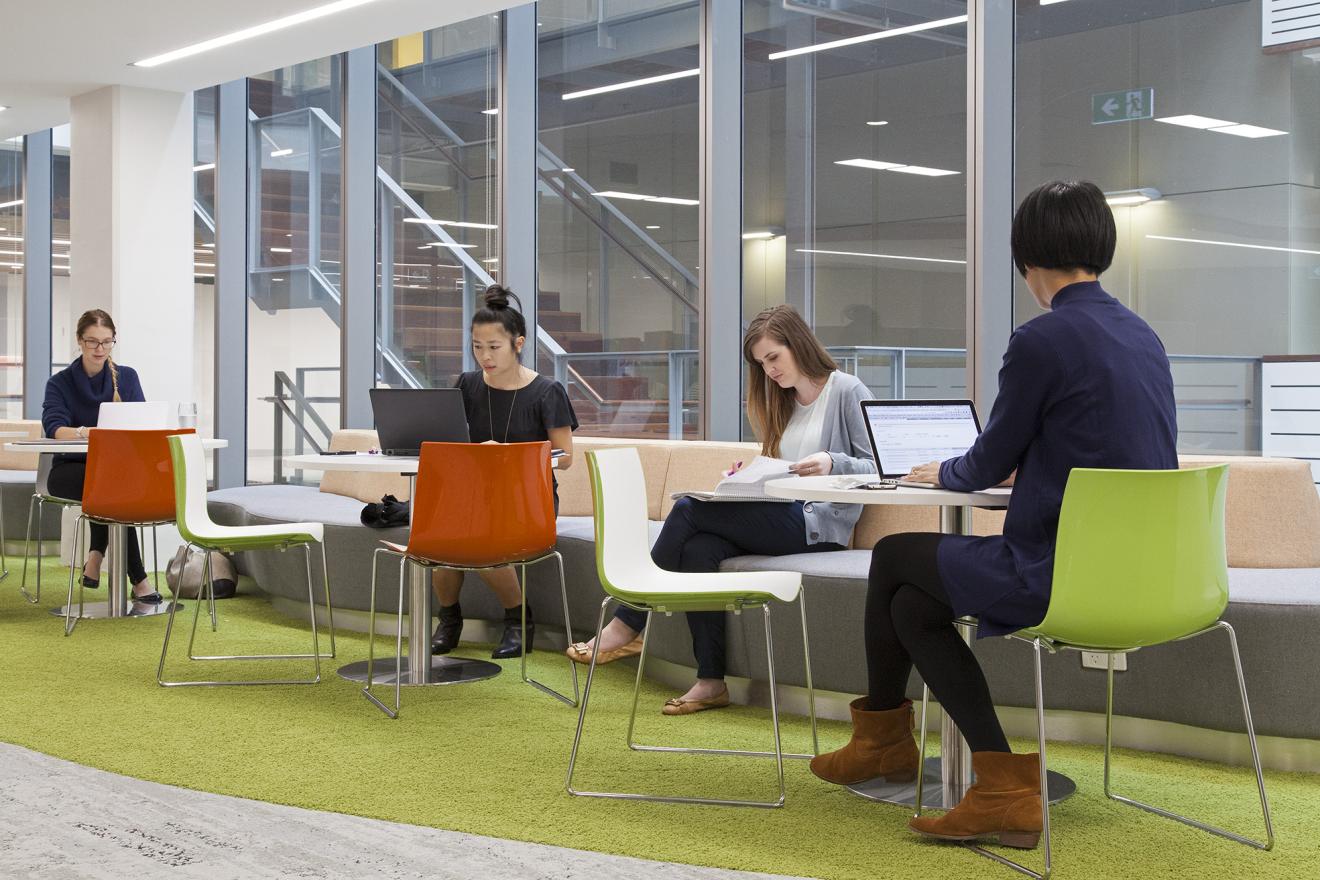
(631, 578)
(201, 533)
(1140, 561)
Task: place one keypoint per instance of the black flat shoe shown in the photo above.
(448, 629)
(152, 598)
(511, 641)
(90, 583)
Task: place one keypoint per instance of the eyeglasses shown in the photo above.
(98, 345)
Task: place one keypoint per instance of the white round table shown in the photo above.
(117, 602)
(420, 667)
(945, 778)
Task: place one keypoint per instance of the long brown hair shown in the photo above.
(101, 318)
(768, 406)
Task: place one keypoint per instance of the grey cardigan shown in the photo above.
(844, 437)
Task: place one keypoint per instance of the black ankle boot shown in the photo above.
(511, 642)
(448, 629)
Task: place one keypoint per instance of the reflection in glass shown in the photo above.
(11, 277)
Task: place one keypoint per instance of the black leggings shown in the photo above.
(66, 481)
(909, 620)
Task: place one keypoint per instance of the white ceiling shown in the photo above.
(51, 51)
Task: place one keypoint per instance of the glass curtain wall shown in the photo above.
(63, 322)
(294, 229)
(854, 185)
(11, 277)
(619, 216)
(438, 196)
(1208, 145)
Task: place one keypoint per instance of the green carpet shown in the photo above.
(489, 758)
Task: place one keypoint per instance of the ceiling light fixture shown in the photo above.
(12, 204)
(446, 244)
(207, 166)
(880, 256)
(653, 227)
(276, 154)
(251, 32)
(461, 223)
(568, 170)
(760, 234)
(1132, 197)
(866, 38)
(281, 250)
(879, 122)
(3, 109)
(491, 112)
(1221, 126)
(1236, 244)
(632, 84)
(643, 197)
(877, 165)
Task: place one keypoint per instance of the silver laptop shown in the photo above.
(907, 433)
(135, 416)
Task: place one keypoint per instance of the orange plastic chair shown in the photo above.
(477, 507)
(129, 482)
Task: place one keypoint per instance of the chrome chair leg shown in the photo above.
(1044, 786)
(777, 754)
(71, 620)
(806, 659)
(169, 624)
(34, 503)
(371, 636)
(921, 750)
(329, 607)
(4, 560)
(568, 628)
(1251, 738)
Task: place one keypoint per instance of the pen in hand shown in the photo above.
(734, 469)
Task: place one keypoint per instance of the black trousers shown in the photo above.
(66, 481)
(909, 620)
(699, 535)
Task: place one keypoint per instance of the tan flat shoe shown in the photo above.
(580, 652)
(680, 706)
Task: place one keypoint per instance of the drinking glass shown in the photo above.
(188, 415)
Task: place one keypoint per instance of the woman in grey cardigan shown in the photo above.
(804, 410)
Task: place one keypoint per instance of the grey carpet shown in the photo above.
(63, 820)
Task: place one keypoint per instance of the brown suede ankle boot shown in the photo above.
(881, 745)
(1004, 802)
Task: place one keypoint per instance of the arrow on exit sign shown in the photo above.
(1123, 106)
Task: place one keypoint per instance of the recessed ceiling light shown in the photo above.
(631, 84)
(747, 236)
(869, 163)
(876, 35)
(653, 227)
(287, 151)
(880, 256)
(643, 197)
(281, 250)
(491, 112)
(1130, 197)
(1236, 244)
(491, 260)
(1221, 126)
(206, 166)
(12, 204)
(896, 166)
(453, 245)
(1248, 131)
(568, 170)
(1191, 120)
(879, 122)
(254, 31)
(207, 265)
(923, 171)
(670, 200)
(461, 223)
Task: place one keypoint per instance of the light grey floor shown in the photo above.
(63, 820)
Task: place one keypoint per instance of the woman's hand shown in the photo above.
(926, 473)
(817, 464)
(737, 466)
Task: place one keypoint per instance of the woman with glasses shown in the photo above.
(73, 398)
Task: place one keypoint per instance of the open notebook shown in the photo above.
(748, 484)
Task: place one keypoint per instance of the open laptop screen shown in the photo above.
(906, 433)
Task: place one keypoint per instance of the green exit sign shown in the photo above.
(1123, 106)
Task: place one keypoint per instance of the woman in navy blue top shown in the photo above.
(1087, 384)
(73, 397)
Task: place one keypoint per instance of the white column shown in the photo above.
(131, 197)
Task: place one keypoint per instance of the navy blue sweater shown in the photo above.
(73, 398)
(1085, 385)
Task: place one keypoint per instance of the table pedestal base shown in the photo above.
(1059, 786)
(444, 670)
(106, 610)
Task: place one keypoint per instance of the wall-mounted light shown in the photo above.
(1133, 197)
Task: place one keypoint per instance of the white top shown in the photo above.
(802, 434)
(826, 489)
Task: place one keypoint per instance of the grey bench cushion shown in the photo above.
(292, 504)
(583, 528)
(1274, 586)
(842, 564)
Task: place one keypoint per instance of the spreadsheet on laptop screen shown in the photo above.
(909, 435)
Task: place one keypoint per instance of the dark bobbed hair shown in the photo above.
(495, 309)
(1064, 224)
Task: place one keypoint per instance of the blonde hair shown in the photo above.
(101, 318)
(770, 407)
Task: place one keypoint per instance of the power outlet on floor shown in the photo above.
(1100, 660)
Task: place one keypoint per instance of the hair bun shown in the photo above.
(497, 297)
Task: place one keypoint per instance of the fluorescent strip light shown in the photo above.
(205, 265)
(1236, 244)
(653, 227)
(880, 256)
(568, 170)
(3, 109)
(491, 112)
(1051, 2)
(203, 274)
(12, 265)
(287, 151)
(879, 122)
(461, 223)
(1191, 120)
(281, 250)
(11, 253)
(208, 244)
(1132, 196)
(59, 241)
(866, 38)
(1120, 201)
(611, 194)
(1248, 131)
(923, 171)
(670, 200)
(491, 260)
(747, 236)
(208, 166)
(255, 31)
(632, 84)
(896, 166)
(12, 204)
(445, 244)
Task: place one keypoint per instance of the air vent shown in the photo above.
(1289, 21)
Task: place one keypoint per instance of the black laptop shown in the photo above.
(408, 417)
(907, 433)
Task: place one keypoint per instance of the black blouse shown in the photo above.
(522, 416)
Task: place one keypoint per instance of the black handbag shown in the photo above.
(388, 514)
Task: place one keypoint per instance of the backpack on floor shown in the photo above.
(185, 583)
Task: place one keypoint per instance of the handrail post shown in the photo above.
(675, 397)
(278, 474)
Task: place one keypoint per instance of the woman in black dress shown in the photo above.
(506, 402)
